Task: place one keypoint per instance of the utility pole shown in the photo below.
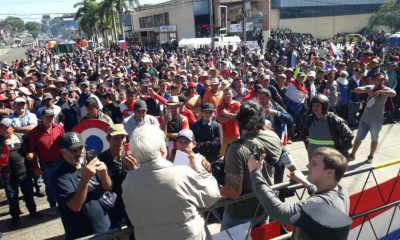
(244, 21)
(211, 23)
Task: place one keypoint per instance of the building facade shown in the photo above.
(164, 22)
(177, 19)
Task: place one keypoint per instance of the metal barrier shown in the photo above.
(119, 234)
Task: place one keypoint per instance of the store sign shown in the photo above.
(167, 28)
(238, 27)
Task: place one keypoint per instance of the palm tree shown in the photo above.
(88, 17)
(106, 11)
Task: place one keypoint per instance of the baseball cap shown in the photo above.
(71, 141)
(84, 83)
(48, 112)
(39, 85)
(214, 81)
(140, 105)
(312, 74)
(47, 96)
(187, 133)
(207, 107)
(24, 91)
(314, 222)
(20, 100)
(116, 129)
(64, 90)
(91, 102)
(192, 85)
(301, 74)
(147, 75)
(8, 122)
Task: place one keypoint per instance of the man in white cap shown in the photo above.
(147, 68)
(214, 95)
(23, 120)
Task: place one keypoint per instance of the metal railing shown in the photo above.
(119, 234)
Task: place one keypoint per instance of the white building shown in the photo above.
(163, 22)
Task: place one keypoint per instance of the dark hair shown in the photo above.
(250, 116)
(91, 102)
(333, 159)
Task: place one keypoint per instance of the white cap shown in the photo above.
(312, 74)
(24, 91)
(20, 100)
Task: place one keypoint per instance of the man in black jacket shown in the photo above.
(326, 129)
(208, 134)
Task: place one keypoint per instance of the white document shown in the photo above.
(181, 158)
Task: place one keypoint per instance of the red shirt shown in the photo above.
(128, 109)
(45, 144)
(189, 114)
(230, 128)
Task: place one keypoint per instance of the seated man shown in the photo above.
(170, 197)
(326, 168)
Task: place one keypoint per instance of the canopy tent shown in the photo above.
(218, 42)
(394, 40)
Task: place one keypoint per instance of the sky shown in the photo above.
(32, 10)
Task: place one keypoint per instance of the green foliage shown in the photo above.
(88, 16)
(32, 26)
(56, 25)
(16, 23)
(388, 16)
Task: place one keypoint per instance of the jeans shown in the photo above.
(352, 113)
(11, 188)
(228, 221)
(48, 173)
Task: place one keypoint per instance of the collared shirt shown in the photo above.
(131, 124)
(45, 144)
(25, 120)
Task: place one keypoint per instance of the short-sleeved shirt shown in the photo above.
(230, 128)
(91, 219)
(131, 124)
(236, 163)
(25, 120)
(45, 144)
(375, 107)
(212, 98)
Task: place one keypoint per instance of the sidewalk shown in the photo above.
(51, 228)
(4, 50)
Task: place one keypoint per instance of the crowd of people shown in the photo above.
(230, 112)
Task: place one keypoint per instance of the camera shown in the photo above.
(90, 155)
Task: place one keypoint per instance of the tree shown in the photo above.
(16, 23)
(388, 15)
(33, 28)
(88, 17)
(56, 26)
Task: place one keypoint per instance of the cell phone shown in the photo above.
(90, 155)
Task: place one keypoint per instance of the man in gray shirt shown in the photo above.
(372, 118)
(138, 118)
(325, 170)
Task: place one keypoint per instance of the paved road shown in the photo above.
(12, 54)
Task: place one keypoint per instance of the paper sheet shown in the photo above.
(181, 158)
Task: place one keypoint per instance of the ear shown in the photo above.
(163, 151)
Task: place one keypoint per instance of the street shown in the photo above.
(12, 54)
